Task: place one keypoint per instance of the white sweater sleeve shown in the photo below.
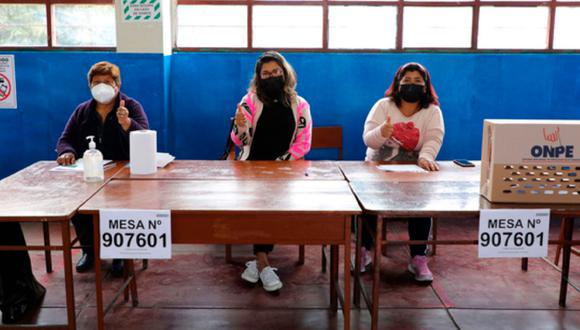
(433, 136)
(372, 132)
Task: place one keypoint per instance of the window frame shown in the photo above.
(326, 4)
(48, 7)
(400, 5)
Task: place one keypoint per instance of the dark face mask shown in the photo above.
(272, 86)
(412, 93)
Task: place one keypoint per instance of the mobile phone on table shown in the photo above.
(463, 163)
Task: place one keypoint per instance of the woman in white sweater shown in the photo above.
(406, 126)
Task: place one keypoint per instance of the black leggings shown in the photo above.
(84, 228)
(418, 231)
(266, 248)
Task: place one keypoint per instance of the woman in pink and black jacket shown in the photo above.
(272, 123)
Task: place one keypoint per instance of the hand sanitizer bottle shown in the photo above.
(93, 163)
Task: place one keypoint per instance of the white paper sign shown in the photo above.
(401, 168)
(135, 234)
(513, 233)
(7, 82)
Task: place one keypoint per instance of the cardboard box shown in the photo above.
(531, 161)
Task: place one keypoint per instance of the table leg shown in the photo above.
(357, 288)
(98, 275)
(47, 253)
(568, 231)
(333, 277)
(376, 274)
(68, 275)
(525, 264)
(133, 285)
(346, 306)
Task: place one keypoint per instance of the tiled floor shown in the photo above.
(197, 290)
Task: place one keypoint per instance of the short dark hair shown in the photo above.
(105, 68)
(430, 96)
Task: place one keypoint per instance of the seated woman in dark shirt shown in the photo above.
(272, 123)
(109, 116)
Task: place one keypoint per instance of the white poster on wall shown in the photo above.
(7, 82)
(141, 10)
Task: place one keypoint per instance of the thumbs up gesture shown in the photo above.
(123, 116)
(240, 117)
(387, 128)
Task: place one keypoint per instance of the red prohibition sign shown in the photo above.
(4, 93)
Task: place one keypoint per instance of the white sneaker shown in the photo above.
(251, 273)
(270, 281)
(366, 260)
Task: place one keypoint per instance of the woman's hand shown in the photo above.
(123, 116)
(68, 158)
(240, 117)
(387, 128)
(428, 165)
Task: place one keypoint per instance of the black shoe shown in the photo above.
(13, 313)
(117, 268)
(85, 263)
(29, 298)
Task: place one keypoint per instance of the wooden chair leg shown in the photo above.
(323, 259)
(133, 285)
(47, 253)
(301, 255)
(228, 253)
(125, 277)
(384, 235)
(434, 235)
(559, 247)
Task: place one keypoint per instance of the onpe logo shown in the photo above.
(555, 150)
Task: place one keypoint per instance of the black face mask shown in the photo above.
(272, 87)
(412, 93)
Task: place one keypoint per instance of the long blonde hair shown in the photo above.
(289, 90)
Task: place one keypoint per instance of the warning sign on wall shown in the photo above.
(7, 82)
(141, 10)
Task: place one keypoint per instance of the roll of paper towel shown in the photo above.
(143, 151)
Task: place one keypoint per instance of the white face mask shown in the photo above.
(103, 93)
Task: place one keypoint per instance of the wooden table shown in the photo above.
(389, 195)
(436, 199)
(35, 194)
(246, 170)
(449, 172)
(241, 170)
(241, 212)
(368, 171)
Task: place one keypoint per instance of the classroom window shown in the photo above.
(437, 27)
(84, 25)
(23, 25)
(362, 25)
(312, 25)
(507, 28)
(287, 26)
(358, 27)
(212, 26)
(567, 28)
